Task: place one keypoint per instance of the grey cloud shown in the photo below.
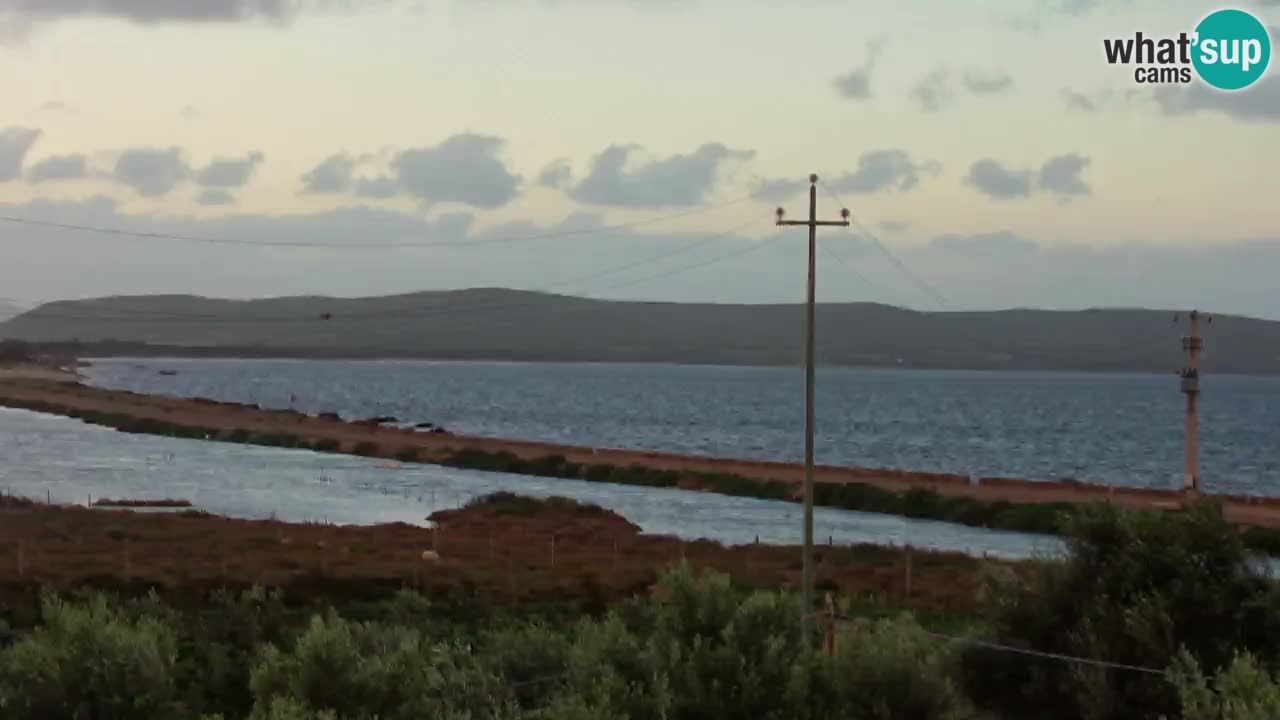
(980, 83)
(214, 196)
(676, 181)
(59, 167)
(464, 169)
(229, 172)
(933, 92)
(877, 171)
(15, 143)
(1061, 176)
(557, 175)
(147, 11)
(1258, 103)
(774, 190)
(151, 172)
(983, 245)
(332, 175)
(894, 226)
(379, 187)
(991, 178)
(1083, 102)
(856, 84)
(880, 170)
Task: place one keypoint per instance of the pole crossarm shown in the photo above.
(813, 223)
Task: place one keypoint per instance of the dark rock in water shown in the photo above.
(330, 416)
(425, 426)
(168, 373)
(440, 431)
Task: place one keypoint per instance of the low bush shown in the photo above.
(366, 449)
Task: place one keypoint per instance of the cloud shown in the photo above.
(332, 175)
(983, 245)
(464, 169)
(992, 179)
(379, 187)
(56, 106)
(894, 226)
(881, 170)
(1258, 103)
(229, 172)
(877, 171)
(933, 92)
(214, 197)
(59, 167)
(980, 83)
(675, 181)
(1061, 176)
(15, 143)
(856, 84)
(557, 175)
(1084, 102)
(151, 172)
(147, 11)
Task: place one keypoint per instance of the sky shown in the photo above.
(634, 149)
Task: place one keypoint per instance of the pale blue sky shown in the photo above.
(974, 122)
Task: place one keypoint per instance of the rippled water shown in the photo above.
(70, 462)
(1121, 429)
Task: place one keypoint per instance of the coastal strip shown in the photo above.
(995, 503)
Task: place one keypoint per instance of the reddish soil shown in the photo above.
(229, 416)
(554, 550)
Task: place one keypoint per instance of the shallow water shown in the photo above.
(1122, 429)
(70, 462)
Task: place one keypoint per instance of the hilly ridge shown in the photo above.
(497, 324)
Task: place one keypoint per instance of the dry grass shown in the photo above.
(556, 550)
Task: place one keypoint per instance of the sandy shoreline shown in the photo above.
(226, 417)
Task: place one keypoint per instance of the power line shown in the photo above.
(426, 310)
(478, 242)
(902, 267)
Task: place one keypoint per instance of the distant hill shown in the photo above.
(494, 324)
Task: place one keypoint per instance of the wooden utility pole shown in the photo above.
(1192, 344)
(812, 223)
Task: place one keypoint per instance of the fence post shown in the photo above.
(22, 559)
(908, 563)
(490, 546)
(831, 626)
(615, 552)
(553, 549)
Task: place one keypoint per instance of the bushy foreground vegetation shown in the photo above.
(1175, 599)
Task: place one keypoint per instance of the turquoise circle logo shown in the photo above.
(1232, 49)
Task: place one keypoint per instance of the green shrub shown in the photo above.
(408, 455)
(366, 449)
(358, 670)
(326, 445)
(1244, 690)
(90, 661)
(239, 435)
(277, 439)
(1136, 587)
